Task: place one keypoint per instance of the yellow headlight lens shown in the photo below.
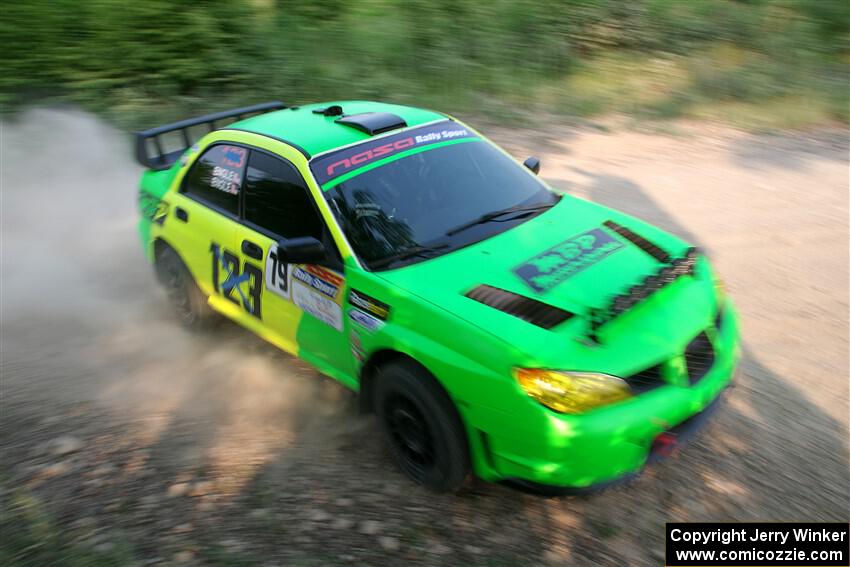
(572, 392)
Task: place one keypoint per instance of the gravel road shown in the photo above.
(132, 440)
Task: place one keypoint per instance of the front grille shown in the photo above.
(646, 380)
(699, 357)
(525, 308)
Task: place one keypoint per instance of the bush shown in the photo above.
(136, 58)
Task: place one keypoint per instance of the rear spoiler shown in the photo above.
(160, 158)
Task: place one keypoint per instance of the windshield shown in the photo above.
(437, 191)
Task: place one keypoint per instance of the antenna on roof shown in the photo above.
(334, 110)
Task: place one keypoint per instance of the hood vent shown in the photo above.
(525, 308)
(639, 241)
(619, 304)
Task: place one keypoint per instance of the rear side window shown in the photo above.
(277, 199)
(216, 178)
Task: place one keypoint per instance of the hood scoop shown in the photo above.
(525, 308)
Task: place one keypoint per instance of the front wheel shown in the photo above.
(422, 427)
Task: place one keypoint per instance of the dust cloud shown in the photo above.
(83, 320)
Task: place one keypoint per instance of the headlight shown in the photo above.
(571, 392)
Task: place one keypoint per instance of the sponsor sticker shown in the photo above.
(319, 306)
(365, 320)
(357, 348)
(152, 208)
(316, 290)
(320, 279)
(325, 274)
(227, 180)
(227, 173)
(551, 267)
(369, 304)
(234, 156)
(330, 166)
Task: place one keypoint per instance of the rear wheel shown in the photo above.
(187, 301)
(422, 427)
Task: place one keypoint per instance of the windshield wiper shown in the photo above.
(487, 217)
(408, 253)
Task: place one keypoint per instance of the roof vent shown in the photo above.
(335, 110)
(525, 308)
(373, 122)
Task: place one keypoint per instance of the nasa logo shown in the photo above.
(368, 155)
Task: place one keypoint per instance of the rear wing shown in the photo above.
(151, 151)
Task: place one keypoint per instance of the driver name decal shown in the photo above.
(330, 166)
(547, 269)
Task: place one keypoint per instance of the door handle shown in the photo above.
(252, 250)
(181, 214)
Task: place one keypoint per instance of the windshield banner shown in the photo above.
(330, 166)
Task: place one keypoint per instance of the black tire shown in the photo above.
(422, 427)
(187, 301)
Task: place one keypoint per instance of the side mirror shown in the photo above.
(533, 164)
(301, 250)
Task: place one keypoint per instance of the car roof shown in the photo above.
(316, 133)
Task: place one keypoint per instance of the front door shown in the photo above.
(301, 305)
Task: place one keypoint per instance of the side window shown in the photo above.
(216, 177)
(277, 199)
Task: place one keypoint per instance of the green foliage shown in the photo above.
(144, 61)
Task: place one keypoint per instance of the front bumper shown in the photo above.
(684, 433)
(612, 445)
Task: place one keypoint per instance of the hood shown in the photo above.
(576, 257)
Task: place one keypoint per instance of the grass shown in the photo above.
(770, 63)
(791, 112)
(621, 83)
(723, 84)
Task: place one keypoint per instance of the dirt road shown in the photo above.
(126, 439)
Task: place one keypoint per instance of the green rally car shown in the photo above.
(495, 326)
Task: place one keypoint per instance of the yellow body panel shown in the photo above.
(193, 240)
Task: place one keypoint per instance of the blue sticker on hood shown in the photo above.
(549, 268)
